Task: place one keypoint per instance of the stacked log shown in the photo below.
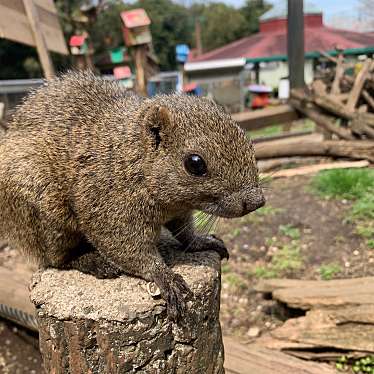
(342, 105)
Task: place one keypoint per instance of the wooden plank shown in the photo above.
(242, 359)
(44, 57)
(270, 116)
(14, 24)
(322, 329)
(270, 285)
(313, 169)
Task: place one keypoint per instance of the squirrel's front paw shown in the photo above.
(175, 291)
(209, 243)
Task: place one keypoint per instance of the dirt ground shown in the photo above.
(300, 235)
(297, 235)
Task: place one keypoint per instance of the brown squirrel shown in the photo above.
(90, 173)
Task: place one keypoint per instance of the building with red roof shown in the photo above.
(265, 53)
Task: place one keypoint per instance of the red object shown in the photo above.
(272, 40)
(122, 72)
(77, 40)
(189, 87)
(135, 18)
(260, 101)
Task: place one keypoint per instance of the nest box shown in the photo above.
(136, 27)
(78, 45)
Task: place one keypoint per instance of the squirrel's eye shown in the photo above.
(195, 165)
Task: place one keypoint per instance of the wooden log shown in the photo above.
(358, 85)
(368, 98)
(359, 126)
(357, 150)
(313, 169)
(89, 325)
(270, 116)
(322, 120)
(339, 72)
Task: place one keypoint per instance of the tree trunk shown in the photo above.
(90, 325)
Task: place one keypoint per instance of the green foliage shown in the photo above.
(287, 259)
(234, 280)
(173, 23)
(259, 215)
(364, 365)
(329, 271)
(290, 231)
(266, 131)
(356, 185)
(344, 183)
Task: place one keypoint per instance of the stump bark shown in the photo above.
(90, 325)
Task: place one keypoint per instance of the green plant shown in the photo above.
(329, 271)
(370, 243)
(287, 258)
(225, 268)
(234, 280)
(267, 131)
(290, 231)
(364, 365)
(344, 183)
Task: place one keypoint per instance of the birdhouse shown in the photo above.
(123, 74)
(182, 51)
(78, 45)
(136, 27)
(117, 55)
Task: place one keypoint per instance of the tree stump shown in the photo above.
(90, 325)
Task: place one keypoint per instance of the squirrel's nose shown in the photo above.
(254, 199)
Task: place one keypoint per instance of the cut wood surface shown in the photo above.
(312, 169)
(242, 359)
(259, 119)
(90, 325)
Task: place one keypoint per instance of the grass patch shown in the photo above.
(234, 280)
(258, 215)
(329, 271)
(351, 184)
(266, 131)
(290, 231)
(287, 259)
(348, 184)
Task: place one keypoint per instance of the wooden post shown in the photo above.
(41, 47)
(295, 42)
(89, 325)
(199, 44)
(140, 61)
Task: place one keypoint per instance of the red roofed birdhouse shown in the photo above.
(136, 27)
(78, 44)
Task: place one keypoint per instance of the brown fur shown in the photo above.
(89, 174)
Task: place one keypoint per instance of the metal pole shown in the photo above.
(295, 40)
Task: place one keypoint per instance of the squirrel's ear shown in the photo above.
(158, 124)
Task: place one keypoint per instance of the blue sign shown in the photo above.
(182, 51)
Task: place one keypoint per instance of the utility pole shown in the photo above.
(199, 46)
(295, 46)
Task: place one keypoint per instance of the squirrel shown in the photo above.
(90, 173)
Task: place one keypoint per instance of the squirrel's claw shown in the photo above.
(175, 291)
(209, 243)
